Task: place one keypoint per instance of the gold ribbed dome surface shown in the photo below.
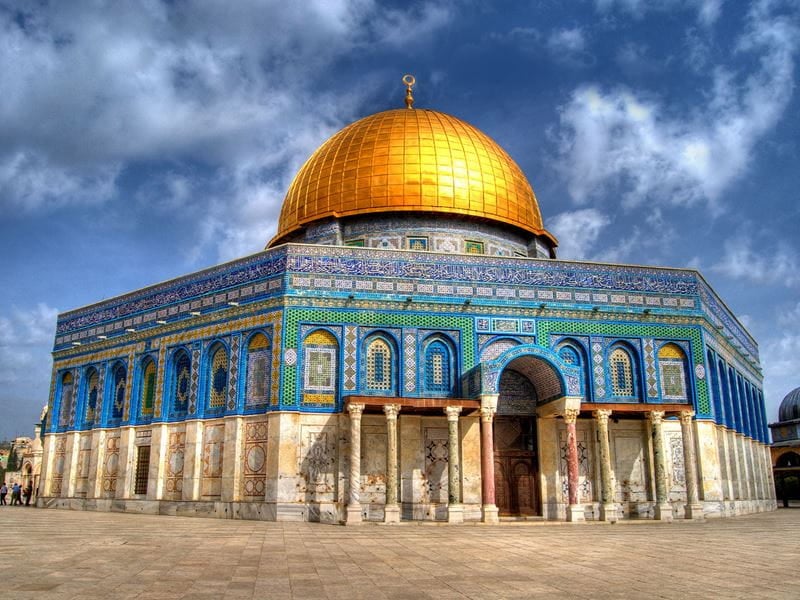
(410, 160)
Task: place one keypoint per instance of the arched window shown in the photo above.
(119, 379)
(67, 399)
(621, 373)
(181, 377)
(713, 379)
(320, 350)
(258, 358)
(217, 377)
(672, 368)
(573, 354)
(148, 392)
(730, 414)
(92, 393)
(438, 368)
(379, 373)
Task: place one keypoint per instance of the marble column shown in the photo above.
(353, 515)
(490, 512)
(574, 510)
(693, 509)
(455, 510)
(392, 508)
(608, 510)
(663, 509)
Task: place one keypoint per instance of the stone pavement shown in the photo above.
(62, 554)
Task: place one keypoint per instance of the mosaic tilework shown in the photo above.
(435, 484)
(376, 319)
(98, 413)
(128, 388)
(158, 403)
(148, 389)
(194, 380)
(92, 395)
(693, 334)
(651, 383)
(233, 381)
(67, 399)
(73, 406)
(620, 373)
(598, 370)
(350, 367)
(495, 349)
(255, 459)
(410, 359)
(320, 353)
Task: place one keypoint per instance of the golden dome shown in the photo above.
(410, 160)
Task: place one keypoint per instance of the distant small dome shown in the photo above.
(790, 406)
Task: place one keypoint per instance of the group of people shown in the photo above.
(17, 494)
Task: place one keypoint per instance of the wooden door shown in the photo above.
(516, 466)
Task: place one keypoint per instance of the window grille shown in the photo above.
(379, 369)
(142, 469)
(621, 373)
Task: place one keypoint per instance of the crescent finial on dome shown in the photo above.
(409, 80)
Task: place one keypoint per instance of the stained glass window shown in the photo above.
(119, 380)
(437, 367)
(621, 373)
(258, 356)
(671, 364)
(92, 392)
(379, 366)
(148, 389)
(66, 399)
(218, 377)
(182, 373)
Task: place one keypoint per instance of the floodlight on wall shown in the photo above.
(161, 322)
(195, 313)
(130, 330)
(232, 303)
(102, 337)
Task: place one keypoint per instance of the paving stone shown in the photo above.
(116, 555)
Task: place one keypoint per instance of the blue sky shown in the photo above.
(143, 141)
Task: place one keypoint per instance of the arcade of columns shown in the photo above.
(608, 512)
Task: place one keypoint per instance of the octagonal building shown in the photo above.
(408, 347)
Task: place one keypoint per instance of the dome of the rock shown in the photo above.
(411, 161)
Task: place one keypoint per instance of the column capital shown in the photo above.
(686, 417)
(487, 414)
(571, 415)
(655, 416)
(452, 412)
(355, 409)
(391, 410)
(602, 415)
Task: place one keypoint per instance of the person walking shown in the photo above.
(3, 494)
(26, 492)
(15, 494)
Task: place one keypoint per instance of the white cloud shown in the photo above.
(708, 11)
(780, 356)
(224, 94)
(569, 47)
(26, 338)
(629, 140)
(778, 264)
(578, 231)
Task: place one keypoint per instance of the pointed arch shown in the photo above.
(257, 366)
(67, 399)
(438, 366)
(217, 377)
(147, 393)
(573, 353)
(320, 368)
(119, 382)
(622, 372)
(92, 394)
(181, 373)
(380, 373)
(672, 372)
